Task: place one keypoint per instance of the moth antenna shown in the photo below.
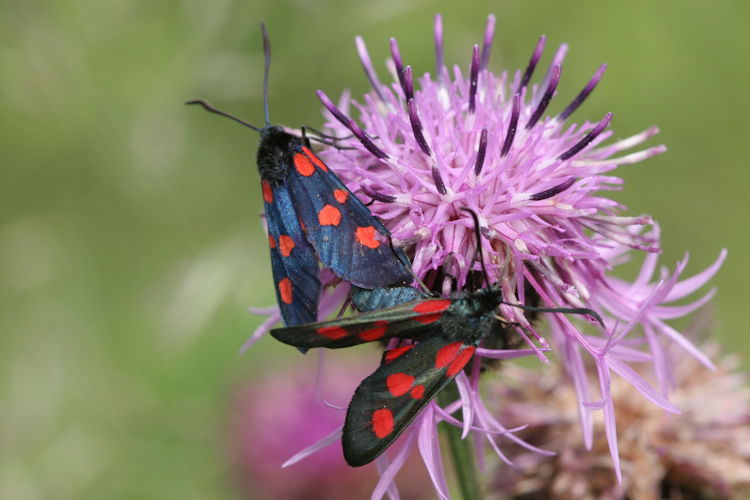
(304, 130)
(508, 253)
(479, 243)
(267, 53)
(328, 136)
(208, 107)
(584, 311)
(327, 142)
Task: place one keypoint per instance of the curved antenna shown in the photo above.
(208, 107)
(479, 244)
(267, 52)
(584, 311)
(328, 136)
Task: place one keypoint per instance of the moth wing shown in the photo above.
(293, 261)
(364, 299)
(348, 239)
(414, 320)
(388, 400)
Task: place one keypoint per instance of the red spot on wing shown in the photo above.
(303, 165)
(332, 332)
(315, 159)
(447, 354)
(432, 306)
(267, 192)
(271, 243)
(458, 364)
(417, 392)
(431, 310)
(340, 195)
(302, 225)
(382, 422)
(329, 216)
(392, 354)
(366, 237)
(286, 244)
(374, 333)
(285, 290)
(399, 383)
(429, 318)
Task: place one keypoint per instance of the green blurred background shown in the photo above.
(130, 243)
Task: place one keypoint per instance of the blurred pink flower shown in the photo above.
(273, 418)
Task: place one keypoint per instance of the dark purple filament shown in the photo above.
(539, 111)
(396, 55)
(351, 125)
(533, 61)
(575, 103)
(366, 142)
(439, 184)
(385, 198)
(333, 109)
(512, 125)
(408, 84)
(549, 193)
(587, 139)
(416, 127)
(481, 151)
(474, 78)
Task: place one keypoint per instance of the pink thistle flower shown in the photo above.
(424, 149)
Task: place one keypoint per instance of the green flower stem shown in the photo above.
(461, 450)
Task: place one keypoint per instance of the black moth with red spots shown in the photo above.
(313, 218)
(447, 332)
(309, 207)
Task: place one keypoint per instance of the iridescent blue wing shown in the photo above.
(364, 299)
(347, 238)
(293, 261)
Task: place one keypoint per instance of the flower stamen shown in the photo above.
(474, 78)
(439, 65)
(383, 198)
(489, 34)
(481, 151)
(416, 127)
(366, 142)
(533, 61)
(583, 94)
(549, 193)
(364, 58)
(587, 139)
(352, 125)
(408, 84)
(542, 107)
(341, 117)
(512, 125)
(396, 55)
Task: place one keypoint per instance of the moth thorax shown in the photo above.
(275, 153)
